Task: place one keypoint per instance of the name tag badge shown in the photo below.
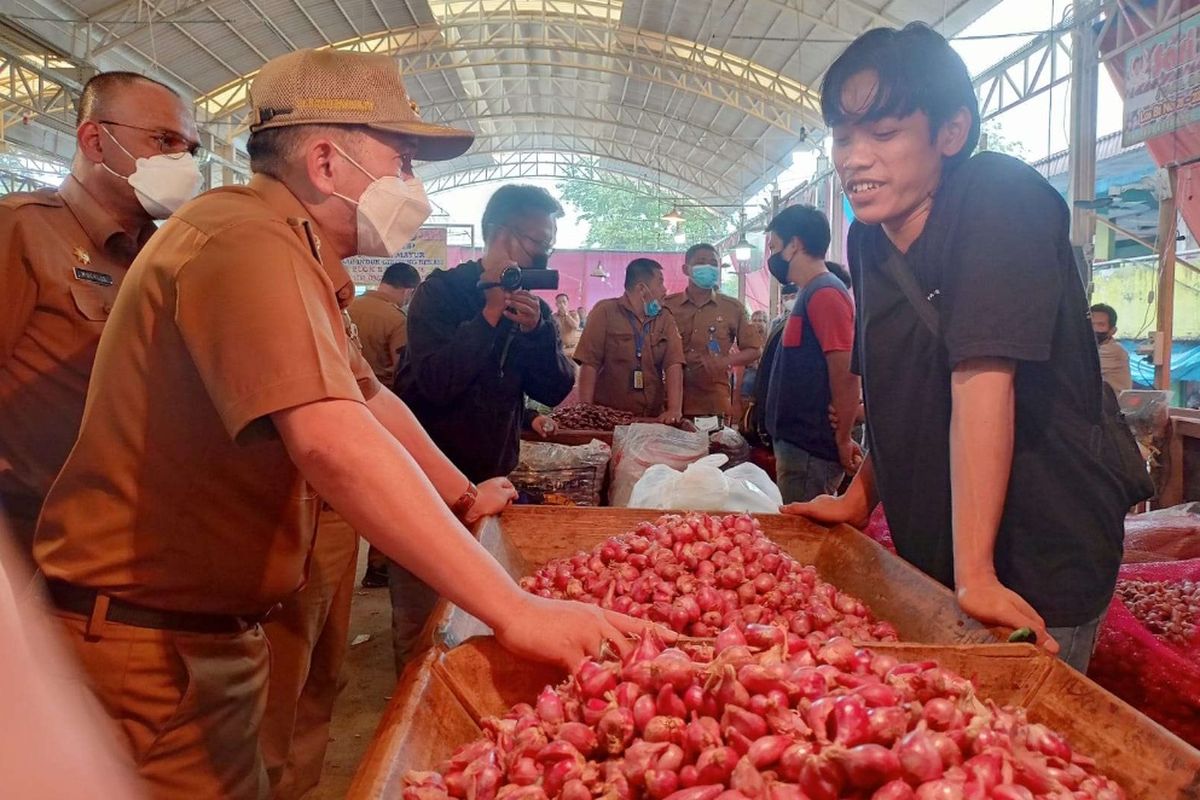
(91, 276)
(639, 380)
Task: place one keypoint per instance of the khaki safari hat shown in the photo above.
(336, 87)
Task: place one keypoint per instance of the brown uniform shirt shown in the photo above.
(608, 343)
(382, 329)
(179, 493)
(62, 258)
(705, 317)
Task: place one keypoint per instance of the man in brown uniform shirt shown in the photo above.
(382, 321)
(227, 397)
(630, 354)
(63, 255)
(710, 324)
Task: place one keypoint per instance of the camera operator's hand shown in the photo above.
(524, 309)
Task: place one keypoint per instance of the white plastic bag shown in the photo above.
(639, 446)
(702, 486)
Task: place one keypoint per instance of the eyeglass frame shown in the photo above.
(159, 135)
(548, 249)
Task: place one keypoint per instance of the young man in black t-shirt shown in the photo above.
(981, 380)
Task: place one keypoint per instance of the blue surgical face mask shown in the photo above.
(706, 276)
(653, 308)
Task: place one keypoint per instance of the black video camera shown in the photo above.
(533, 280)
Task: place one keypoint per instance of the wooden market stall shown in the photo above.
(442, 700)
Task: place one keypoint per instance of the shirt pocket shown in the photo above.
(91, 304)
(723, 334)
(620, 346)
(658, 351)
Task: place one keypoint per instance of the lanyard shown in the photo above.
(639, 336)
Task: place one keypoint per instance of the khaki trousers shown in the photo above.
(309, 637)
(187, 705)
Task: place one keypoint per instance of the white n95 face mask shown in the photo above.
(390, 212)
(162, 183)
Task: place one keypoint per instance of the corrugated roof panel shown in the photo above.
(606, 72)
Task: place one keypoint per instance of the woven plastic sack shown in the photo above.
(1168, 534)
(877, 529)
(561, 475)
(1160, 679)
(703, 486)
(639, 446)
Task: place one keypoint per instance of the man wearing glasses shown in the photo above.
(63, 254)
(475, 350)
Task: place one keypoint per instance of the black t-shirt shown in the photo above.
(997, 252)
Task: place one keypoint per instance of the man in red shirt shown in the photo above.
(811, 367)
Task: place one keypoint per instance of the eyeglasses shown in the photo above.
(543, 247)
(169, 142)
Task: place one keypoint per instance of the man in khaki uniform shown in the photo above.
(711, 324)
(383, 330)
(382, 321)
(187, 508)
(630, 354)
(63, 255)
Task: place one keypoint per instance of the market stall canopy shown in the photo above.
(703, 101)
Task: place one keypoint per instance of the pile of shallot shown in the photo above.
(1168, 609)
(589, 417)
(699, 574)
(792, 722)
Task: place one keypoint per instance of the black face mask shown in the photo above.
(1101, 338)
(778, 267)
(539, 261)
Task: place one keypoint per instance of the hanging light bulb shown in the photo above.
(743, 249)
(674, 216)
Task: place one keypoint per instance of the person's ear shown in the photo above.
(90, 140)
(952, 137)
(320, 163)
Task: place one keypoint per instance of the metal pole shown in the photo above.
(774, 303)
(1168, 219)
(1081, 157)
(741, 268)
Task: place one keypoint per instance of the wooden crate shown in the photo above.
(570, 437)
(480, 679)
(524, 538)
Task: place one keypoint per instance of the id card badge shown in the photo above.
(639, 380)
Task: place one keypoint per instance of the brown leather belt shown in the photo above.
(81, 600)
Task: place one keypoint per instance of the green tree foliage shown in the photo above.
(992, 138)
(624, 219)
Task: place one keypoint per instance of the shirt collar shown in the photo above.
(627, 304)
(99, 225)
(280, 198)
(378, 295)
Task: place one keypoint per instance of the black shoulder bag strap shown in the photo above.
(895, 268)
